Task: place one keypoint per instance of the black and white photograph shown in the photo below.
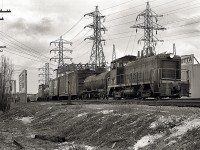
(99, 74)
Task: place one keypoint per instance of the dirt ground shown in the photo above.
(49, 125)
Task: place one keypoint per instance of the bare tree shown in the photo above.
(6, 73)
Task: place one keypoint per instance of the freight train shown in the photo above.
(130, 77)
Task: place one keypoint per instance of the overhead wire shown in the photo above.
(19, 50)
(77, 34)
(117, 5)
(73, 26)
(27, 47)
(152, 7)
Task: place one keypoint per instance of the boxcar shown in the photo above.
(72, 83)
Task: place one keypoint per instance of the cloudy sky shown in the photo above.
(33, 24)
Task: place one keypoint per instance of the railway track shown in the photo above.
(164, 102)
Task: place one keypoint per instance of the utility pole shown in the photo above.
(97, 58)
(46, 73)
(1, 48)
(60, 49)
(4, 11)
(149, 25)
(114, 53)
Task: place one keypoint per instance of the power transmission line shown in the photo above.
(152, 7)
(72, 26)
(60, 49)
(45, 73)
(149, 25)
(31, 50)
(117, 5)
(97, 58)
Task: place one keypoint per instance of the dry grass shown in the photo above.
(97, 125)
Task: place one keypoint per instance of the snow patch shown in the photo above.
(187, 125)
(105, 112)
(49, 108)
(171, 142)
(163, 121)
(99, 129)
(31, 136)
(82, 114)
(25, 120)
(146, 140)
(69, 146)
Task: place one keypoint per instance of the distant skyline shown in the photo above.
(28, 30)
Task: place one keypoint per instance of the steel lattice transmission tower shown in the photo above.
(45, 73)
(97, 58)
(60, 49)
(149, 25)
(114, 53)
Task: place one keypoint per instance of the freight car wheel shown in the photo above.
(158, 98)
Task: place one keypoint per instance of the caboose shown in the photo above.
(157, 76)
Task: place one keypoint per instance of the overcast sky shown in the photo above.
(33, 24)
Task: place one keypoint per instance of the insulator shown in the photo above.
(156, 32)
(136, 30)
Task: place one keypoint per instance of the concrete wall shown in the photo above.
(194, 78)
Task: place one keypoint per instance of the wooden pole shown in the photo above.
(69, 94)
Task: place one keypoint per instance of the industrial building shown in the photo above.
(188, 62)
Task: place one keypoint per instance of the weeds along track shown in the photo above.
(189, 102)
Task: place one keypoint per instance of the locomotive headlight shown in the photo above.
(171, 55)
